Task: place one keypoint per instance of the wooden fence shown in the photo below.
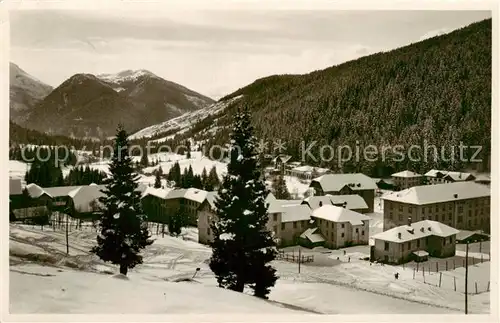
(294, 258)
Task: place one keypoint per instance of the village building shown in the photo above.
(461, 205)
(385, 183)
(484, 179)
(280, 161)
(307, 172)
(435, 176)
(406, 179)
(413, 241)
(294, 221)
(341, 227)
(346, 184)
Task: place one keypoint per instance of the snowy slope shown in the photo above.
(183, 122)
(345, 288)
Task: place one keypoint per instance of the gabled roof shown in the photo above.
(292, 213)
(407, 174)
(435, 172)
(278, 206)
(355, 181)
(310, 169)
(177, 193)
(60, 190)
(313, 235)
(15, 187)
(417, 230)
(83, 196)
(284, 158)
(157, 192)
(314, 201)
(194, 194)
(458, 176)
(339, 214)
(35, 191)
(428, 194)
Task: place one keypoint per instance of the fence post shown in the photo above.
(417, 267)
(454, 264)
(437, 267)
(413, 273)
(455, 283)
(475, 283)
(440, 276)
(481, 258)
(423, 274)
(488, 288)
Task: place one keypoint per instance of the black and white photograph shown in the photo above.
(211, 160)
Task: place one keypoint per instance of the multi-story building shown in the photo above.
(341, 227)
(412, 241)
(435, 176)
(406, 179)
(462, 205)
(346, 184)
(307, 172)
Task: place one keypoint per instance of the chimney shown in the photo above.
(320, 203)
(399, 235)
(455, 195)
(344, 205)
(409, 221)
(422, 229)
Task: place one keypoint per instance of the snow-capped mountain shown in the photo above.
(86, 105)
(25, 92)
(184, 122)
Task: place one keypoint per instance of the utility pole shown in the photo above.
(67, 238)
(466, 272)
(299, 259)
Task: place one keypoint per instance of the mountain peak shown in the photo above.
(127, 75)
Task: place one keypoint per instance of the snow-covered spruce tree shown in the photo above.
(123, 230)
(242, 246)
(157, 180)
(279, 188)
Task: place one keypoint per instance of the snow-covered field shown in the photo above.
(44, 280)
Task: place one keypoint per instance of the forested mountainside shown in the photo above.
(437, 90)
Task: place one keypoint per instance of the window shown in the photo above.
(418, 243)
(282, 226)
(449, 216)
(442, 217)
(460, 209)
(400, 217)
(386, 246)
(362, 232)
(342, 235)
(409, 209)
(470, 212)
(450, 207)
(342, 225)
(459, 220)
(208, 231)
(437, 208)
(275, 217)
(423, 210)
(357, 231)
(295, 225)
(443, 207)
(451, 239)
(409, 245)
(400, 208)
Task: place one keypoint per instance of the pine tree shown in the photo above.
(279, 188)
(123, 228)
(144, 159)
(204, 179)
(243, 246)
(188, 153)
(157, 180)
(213, 182)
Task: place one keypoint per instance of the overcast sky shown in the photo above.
(213, 52)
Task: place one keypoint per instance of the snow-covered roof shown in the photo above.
(15, 187)
(211, 196)
(428, 194)
(176, 193)
(483, 178)
(335, 182)
(313, 235)
(464, 234)
(406, 173)
(141, 187)
(195, 194)
(292, 213)
(339, 214)
(314, 201)
(456, 176)
(277, 206)
(158, 192)
(60, 190)
(310, 169)
(421, 253)
(84, 195)
(35, 191)
(417, 230)
(354, 201)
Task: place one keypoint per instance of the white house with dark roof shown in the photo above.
(413, 240)
(346, 184)
(341, 227)
(462, 205)
(406, 179)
